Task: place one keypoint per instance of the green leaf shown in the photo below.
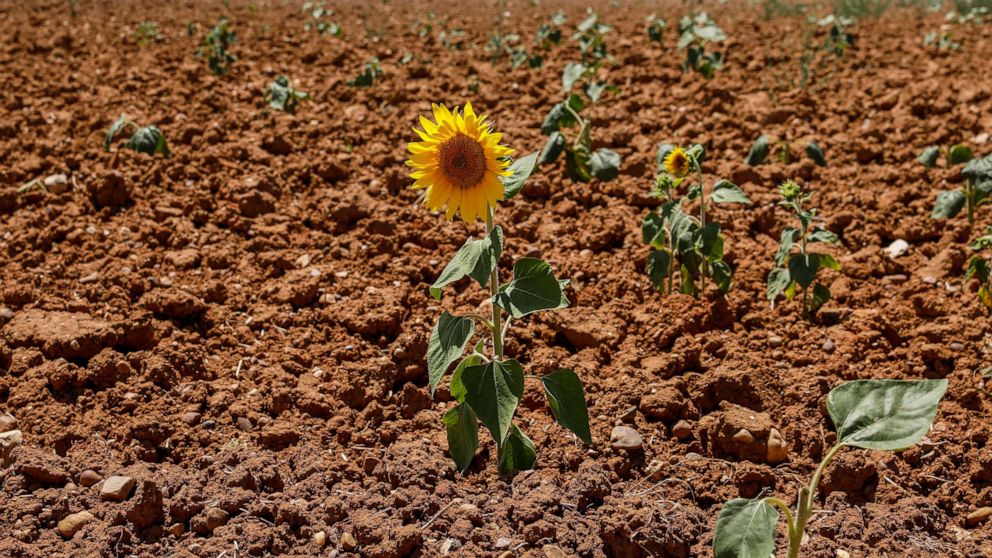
(959, 154)
(446, 345)
(476, 258)
(828, 262)
(778, 282)
(786, 242)
(979, 171)
(457, 387)
(949, 203)
(884, 414)
(493, 390)
(803, 269)
(568, 401)
(577, 163)
(572, 72)
(815, 152)
(659, 267)
(822, 235)
(520, 170)
(150, 140)
(463, 435)
(725, 191)
(745, 529)
(552, 148)
(821, 295)
(653, 230)
(518, 453)
(116, 127)
(533, 288)
(722, 274)
(929, 156)
(604, 164)
(978, 267)
(759, 151)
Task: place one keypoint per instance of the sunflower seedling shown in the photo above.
(762, 148)
(678, 241)
(462, 167)
(976, 189)
(694, 34)
(591, 35)
(144, 139)
(281, 95)
(656, 27)
(146, 33)
(980, 267)
(371, 73)
(581, 162)
(798, 270)
(216, 47)
(320, 19)
(882, 415)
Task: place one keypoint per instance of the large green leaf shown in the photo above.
(803, 269)
(958, 154)
(929, 156)
(725, 191)
(446, 345)
(533, 288)
(457, 387)
(786, 242)
(572, 72)
(476, 258)
(518, 453)
(463, 435)
(552, 148)
(568, 401)
(653, 230)
(978, 171)
(745, 529)
(884, 414)
(949, 203)
(815, 152)
(150, 140)
(604, 164)
(493, 390)
(759, 151)
(778, 282)
(520, 170)
(659, 267)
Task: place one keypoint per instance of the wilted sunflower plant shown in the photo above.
(465, 171)
(798, 270)
(680, 242)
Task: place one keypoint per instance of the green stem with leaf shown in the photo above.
(495, 327)
(804, 508)
(702, 219)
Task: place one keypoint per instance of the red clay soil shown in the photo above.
(241, 328)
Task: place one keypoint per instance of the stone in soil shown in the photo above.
(116, 488)
(72, 523)
(626, 438)
(978, 516)
(89, 477)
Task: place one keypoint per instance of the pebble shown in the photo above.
(245, 424)
(778, 451)
(841, 553)
(57, 183)
(897, 248)
(72, 523)
(552, 551)
(117, 488)
(978, 516)
(626, 438)
(775, 341)
(957, 347)
(6, 313)
(682, 430)
(320, 539)
(192, 418)
(828, 346)
(585, 253)
(7, 423)
(743, 436)
(348, 541)
(503, 542)
(216, 517)
(208, 424)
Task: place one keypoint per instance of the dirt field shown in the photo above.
(241, 328)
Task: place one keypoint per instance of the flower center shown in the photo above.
(463, 161)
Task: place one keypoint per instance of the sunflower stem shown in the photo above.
(702, 221)
(494, 290)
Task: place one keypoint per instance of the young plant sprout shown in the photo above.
(798, 270)
(371, 73)
(320, 19)
(146, 33)
(762, 148)
(693, 246)
(980, 269)
(885, 415)
(144, 139)
(656, 27)
(975, 190)
(591, 35)
(216, 45)
(281, 95)
(581, 162)
(694, 33)
(464, 170)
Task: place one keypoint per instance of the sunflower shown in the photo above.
(459, 163)
(677, 162)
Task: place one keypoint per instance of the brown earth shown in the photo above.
(241, 328)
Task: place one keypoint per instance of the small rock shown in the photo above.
(320, 539)
(777, 449)
(841, 553)
(192, 418)
(116, 488)
(828, 346)
(216, 517)
(626, 438)
(957, 347)
(57, 183)
(775, 341)
(245, 424)
(682, 430)
(89, 477)
(6, 313)
(897, 248)
(743, 436)
(503, 542)
(7, 423)
(552, 551)
(8, 441)
(348, 541)
(468, 508)
(72, 523)
(978, 516)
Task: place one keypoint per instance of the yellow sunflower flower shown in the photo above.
(458, 163)
(677, 163)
